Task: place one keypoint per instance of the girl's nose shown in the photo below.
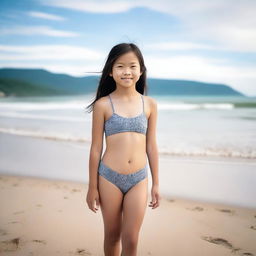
(127, 71)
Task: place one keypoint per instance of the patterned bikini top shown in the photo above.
(116, 123)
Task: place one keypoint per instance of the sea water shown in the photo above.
(191, 133)
(186, 126)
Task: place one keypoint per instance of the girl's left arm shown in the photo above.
(152, 152)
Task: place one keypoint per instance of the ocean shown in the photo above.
(206, 145)
(186, 126)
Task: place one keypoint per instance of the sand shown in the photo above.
(50, 217)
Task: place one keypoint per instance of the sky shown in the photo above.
(207, 41)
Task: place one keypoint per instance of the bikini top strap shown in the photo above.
(111, 103)
(142, 102)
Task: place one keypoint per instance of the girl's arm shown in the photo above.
(151, 144)
(97, 142)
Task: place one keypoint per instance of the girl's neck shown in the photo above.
(125, 92)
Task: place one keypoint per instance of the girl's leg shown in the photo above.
(134, 207)
(111, 207)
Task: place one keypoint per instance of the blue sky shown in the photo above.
(210, 41)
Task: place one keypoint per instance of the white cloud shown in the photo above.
(202, 69)
(47, 52)
(232, 24)
(195, 68)
(92, 6)
(46, 16)
(36, 30)
(78, 70)
(178, 46)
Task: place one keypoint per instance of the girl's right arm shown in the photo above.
(95, 154)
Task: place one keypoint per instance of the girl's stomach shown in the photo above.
(125, 152)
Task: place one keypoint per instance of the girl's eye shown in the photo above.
(122, 66)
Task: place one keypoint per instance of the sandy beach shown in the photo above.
(50, 217)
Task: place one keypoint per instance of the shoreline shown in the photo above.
(86, 142)
(214, 179)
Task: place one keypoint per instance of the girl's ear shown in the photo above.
(110, 74)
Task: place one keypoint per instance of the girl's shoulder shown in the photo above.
(101, 103)
(102, 100)
(151, 101)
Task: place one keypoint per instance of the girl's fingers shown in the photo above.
(154, 204)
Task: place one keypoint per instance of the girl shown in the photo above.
(118, 182)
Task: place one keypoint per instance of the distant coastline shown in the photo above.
(39, 82)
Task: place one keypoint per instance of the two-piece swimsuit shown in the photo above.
(117, 124)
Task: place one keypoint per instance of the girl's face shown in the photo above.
(126, 70)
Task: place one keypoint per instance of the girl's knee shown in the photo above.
(129, 240)
(113, 236)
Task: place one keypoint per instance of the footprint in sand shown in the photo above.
(82, 252)
(197, 208)
(15, 184)
(253, 227)
(39, 241)
(18, 212)
(3, 232)
(225, 243)
(10, 245)
(171, 200)
(13, 222)
(75, 190)
(231, 212)
(65, 197)
(39, 205)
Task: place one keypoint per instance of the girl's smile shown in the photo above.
(126, 69)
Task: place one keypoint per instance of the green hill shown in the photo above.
(13, 87)
(25, 82)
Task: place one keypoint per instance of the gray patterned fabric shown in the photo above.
(117, 124)
(123, 181)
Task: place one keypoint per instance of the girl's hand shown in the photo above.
(92, 196)
(155, 202)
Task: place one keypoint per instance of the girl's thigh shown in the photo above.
(111, 199)
(134, 207)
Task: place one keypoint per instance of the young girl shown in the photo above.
(118, 182)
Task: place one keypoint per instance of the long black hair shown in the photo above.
(107, 83)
